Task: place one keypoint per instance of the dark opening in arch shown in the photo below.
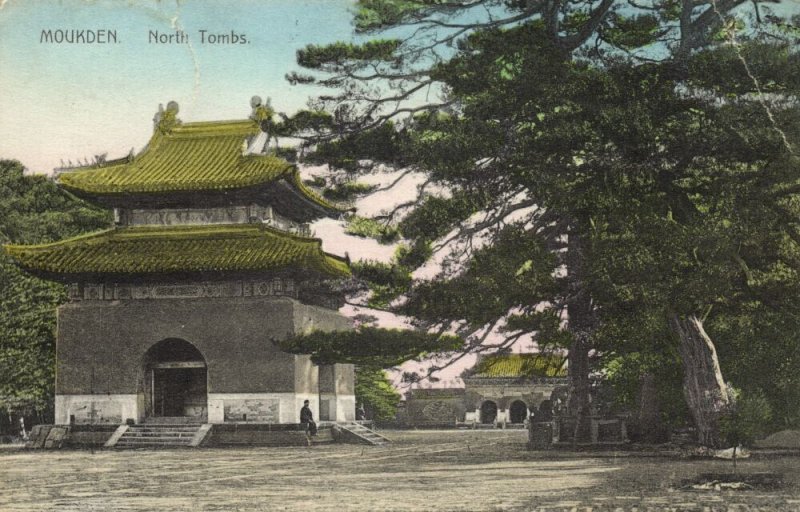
(488, 412)
(176, 380)
(518, 411)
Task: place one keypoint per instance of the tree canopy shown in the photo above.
(33, 210)
(656, 143)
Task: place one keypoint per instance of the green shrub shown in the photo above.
(747, 419)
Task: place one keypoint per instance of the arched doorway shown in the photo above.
(488, 412)
(175, 380)
(545, 411)
(518, 411)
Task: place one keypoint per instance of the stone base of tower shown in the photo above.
(96, 409)
(208, 360)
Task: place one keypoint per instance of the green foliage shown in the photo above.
(375, 14)
(622, 371)
(369, 228)
(675, 179)
(386, 281)
(415, 255)
(33, 210)
(369, 346)
(436, 216)
(632, 32)
(316, 56)
(379, 273)
(515, 272)
(376, 393)
(347, 191)
(747, 420)
(384, 144)
(547, 325)
(305, 121)
(761, 355)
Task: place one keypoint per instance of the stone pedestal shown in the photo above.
(540, 436)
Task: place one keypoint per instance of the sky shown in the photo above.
(74, 101)
(70, 102)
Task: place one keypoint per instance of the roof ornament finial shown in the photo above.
(165, 120)
(261, 113)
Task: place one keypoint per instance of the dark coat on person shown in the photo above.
(306, 416)
(307, 420)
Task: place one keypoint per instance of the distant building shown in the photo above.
(501, 389)
(174, 311)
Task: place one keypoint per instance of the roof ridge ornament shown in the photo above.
(261, 113)
(165, 120)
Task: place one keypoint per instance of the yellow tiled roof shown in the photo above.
(190, 157)
(520, 365)
(145, 250)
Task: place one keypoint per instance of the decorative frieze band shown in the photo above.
(206, 216)
(240, 288)
(510, 381)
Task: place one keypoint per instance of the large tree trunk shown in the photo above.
(703, 386)
(578, 402)
(581, 324)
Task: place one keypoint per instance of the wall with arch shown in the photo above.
(101, 347)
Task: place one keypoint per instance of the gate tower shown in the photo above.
(175, 310)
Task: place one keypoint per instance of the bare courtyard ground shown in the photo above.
(422, 470)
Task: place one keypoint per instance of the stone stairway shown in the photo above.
(159, 435)
(363, 434)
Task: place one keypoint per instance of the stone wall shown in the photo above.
(337, 401)
(504, 394)
(263, 435)
(434, 407)
(101, 347)
(441, 407)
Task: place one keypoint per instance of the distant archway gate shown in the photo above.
(488, 412)
(176, 380)
(518, 411)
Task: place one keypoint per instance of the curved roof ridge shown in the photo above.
(47, 245)
(205, 156)
(160, 249)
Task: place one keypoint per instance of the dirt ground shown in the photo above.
(421, 470)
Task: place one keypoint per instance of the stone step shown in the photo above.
(160, 430)
(158, 435)
(152, 442)
(150, 435)
(154, 439)
(173, 420)
(366, 434)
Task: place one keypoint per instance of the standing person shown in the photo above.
(361, 414)
(22, 432)
(307, 419)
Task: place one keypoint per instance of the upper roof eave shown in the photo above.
(179, 249)
(192, 157)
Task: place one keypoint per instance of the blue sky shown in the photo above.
(70, 101)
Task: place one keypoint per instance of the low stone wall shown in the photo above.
(69, 436)
(89, 436)
(227, 434)
(263, 434)
(434, 408)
